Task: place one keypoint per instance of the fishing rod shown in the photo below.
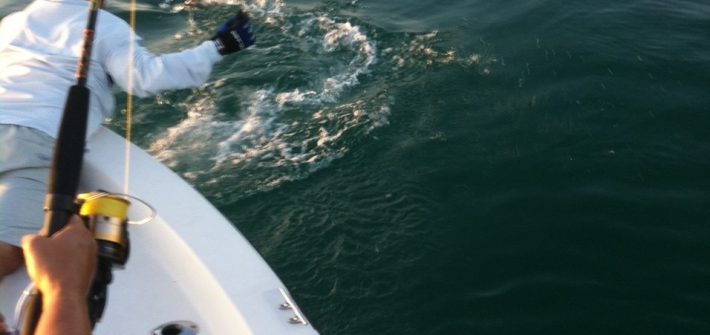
(104, 213)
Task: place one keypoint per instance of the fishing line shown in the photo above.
(129, 99)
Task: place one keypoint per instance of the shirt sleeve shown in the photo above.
(8, 29)
(151, 74)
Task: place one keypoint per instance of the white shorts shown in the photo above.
(25, 158)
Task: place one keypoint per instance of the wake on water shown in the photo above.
(311, 108)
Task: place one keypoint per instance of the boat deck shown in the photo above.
(189, 263)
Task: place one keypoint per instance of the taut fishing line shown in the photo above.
(129, 126)
(129, 99)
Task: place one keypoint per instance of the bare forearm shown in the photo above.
(64, 314)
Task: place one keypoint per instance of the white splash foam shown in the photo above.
(295, 97)
(275, 148)
(420, 52)
(345, 35)
(252, 132)
(270, 11)
(195, 120)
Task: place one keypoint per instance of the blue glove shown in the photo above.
(234, 35)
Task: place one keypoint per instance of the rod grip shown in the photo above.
(67, 161)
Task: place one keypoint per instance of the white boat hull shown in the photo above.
(189, 263)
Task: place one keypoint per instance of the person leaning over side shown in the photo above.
(39, 49)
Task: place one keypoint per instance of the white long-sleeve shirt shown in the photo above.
(39, 49)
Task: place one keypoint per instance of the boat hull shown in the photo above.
(189, 263)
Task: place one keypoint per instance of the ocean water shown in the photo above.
(455, 167)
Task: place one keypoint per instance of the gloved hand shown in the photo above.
(234, 35)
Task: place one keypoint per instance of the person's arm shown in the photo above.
(64, 314)
(62, 268)
(150, 74)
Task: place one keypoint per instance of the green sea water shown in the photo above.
(455, 167)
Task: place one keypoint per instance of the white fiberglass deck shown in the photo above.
(189, 263)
